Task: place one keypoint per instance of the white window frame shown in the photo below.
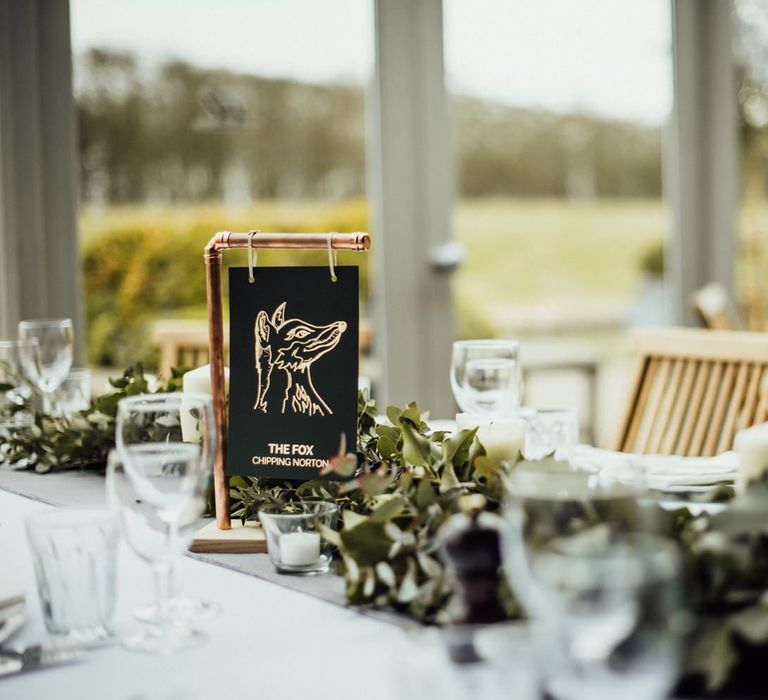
(39, 255)
(701, 159)
(410, 178)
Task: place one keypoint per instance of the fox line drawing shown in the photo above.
(291, 346)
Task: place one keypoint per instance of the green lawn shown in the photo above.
(551, 264)
(529, 251)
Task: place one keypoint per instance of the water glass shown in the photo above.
(48, 362)
(551, 431)
(502, 381)
(15, 393)
(608, 616)
(74, 393)
(75, 559)
(579, 554)
(503, 670)
(294, 543)
(547, 502)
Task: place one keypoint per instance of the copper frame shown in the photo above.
(213, 253)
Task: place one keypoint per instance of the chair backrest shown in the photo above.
(182, 344)
(693, 389)
(715, 309)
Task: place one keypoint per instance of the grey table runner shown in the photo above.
(86, 488)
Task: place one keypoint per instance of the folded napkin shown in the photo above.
(662, 472)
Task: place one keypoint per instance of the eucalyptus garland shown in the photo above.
(83, 439)
(404, 480)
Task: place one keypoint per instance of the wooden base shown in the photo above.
(241, 539)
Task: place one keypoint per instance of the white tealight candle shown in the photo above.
(752, 447)
(503, 438)
(299, 548)
(197, 381)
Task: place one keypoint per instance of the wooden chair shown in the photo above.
(693, 389)
(185, 343)
(182, 343)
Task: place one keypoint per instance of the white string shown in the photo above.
(252, 257)
(331, 258)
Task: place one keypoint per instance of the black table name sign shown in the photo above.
(293, 369)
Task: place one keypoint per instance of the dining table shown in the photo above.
(277, 636)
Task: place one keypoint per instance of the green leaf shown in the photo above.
(388, 431)
(429, 565)
(416, 447)
(752, 624)
(425, 494)
(352, 519)
(386, 447)
(343, 465)
(448, 478)
(238, 482)
(386, 574)
(409, 589)
(329, 534)
(393, 414)
(367, 543)
(374, 484)
(412, 414)
(456, 448)
(713, 654)
(388, 509)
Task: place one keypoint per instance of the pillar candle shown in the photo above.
(299, 548)
(752, 447)
(197, 381)
(503, 438)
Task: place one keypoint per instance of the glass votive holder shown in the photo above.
(551, 431)
(74, 393)
(294, 543)
(74, 552)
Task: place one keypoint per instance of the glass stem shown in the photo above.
(161, 571)
(172, 592)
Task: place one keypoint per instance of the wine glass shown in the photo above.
(47, 362)
(167, 476)
(491, 387)
(74, 393)
(483, 366)
(146, 535)
(15, 392)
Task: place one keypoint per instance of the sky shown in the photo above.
(604, 57)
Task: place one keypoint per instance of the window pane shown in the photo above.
(558, 110)
(196, 117)
(751, 48)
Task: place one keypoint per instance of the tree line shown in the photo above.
(182, 133)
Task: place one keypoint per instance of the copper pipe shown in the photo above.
(226, 240)
(339, 241)
(218, 388)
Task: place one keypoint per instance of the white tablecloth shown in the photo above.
(269, 642)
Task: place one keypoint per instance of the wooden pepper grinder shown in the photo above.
(472, 551)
